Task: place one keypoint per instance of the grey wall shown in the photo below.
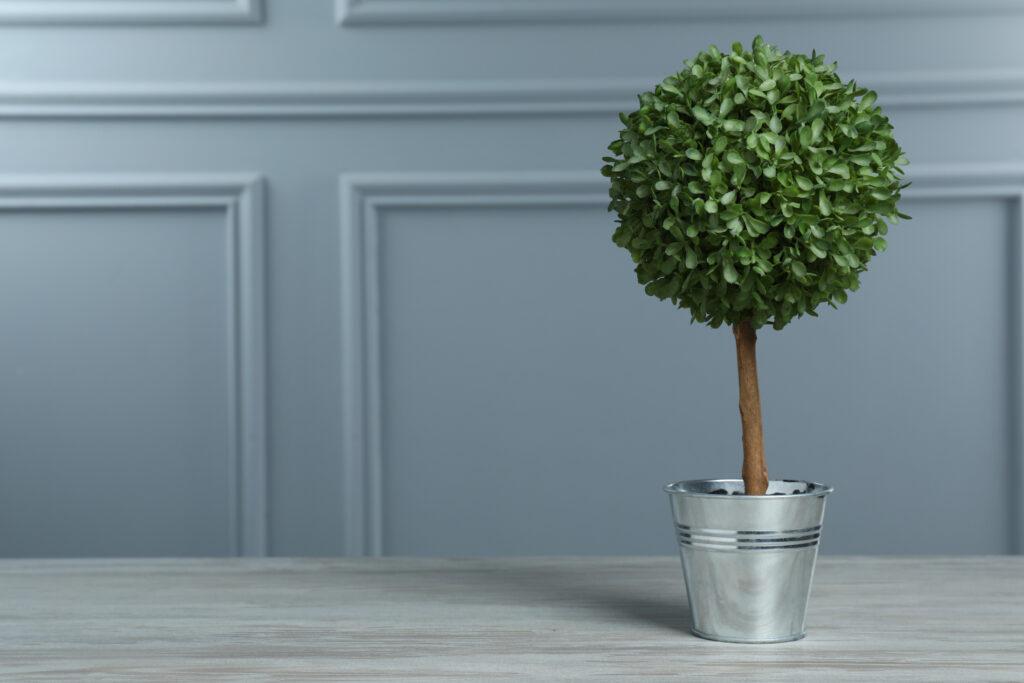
(300, 277)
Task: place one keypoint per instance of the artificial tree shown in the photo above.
(752, 187)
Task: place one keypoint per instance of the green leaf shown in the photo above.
(693, 153)
(738, 174)
(817, 126)
(668, 87)
(711, 206)
(728, 198)
(841, 170)
(798, 268)
(662, 185)
(824, 205)
(729, 273)
(805, 137)
(804, 183)
(756, 226)
(703, 115)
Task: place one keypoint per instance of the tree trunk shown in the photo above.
(755, 475)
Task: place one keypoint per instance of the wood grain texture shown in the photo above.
(922, 619)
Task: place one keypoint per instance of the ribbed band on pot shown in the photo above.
(720, 539)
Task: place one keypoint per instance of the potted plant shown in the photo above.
(751, 188)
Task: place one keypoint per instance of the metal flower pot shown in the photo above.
(748, 560)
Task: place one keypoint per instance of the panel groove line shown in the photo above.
(241, 197)
(364, 196)
(136, 12)
(910, 89)
(455, 12)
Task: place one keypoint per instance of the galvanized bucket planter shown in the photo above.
(748, 561)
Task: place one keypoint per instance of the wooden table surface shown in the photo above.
(872, 619)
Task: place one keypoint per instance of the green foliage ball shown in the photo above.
(754, 185)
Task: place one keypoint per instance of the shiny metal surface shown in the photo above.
(748, 561)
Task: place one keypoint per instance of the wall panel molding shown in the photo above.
(241, 199)
(364, 196)
(103, 12)
(441, 12)
(512, 97)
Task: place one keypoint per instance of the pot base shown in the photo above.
(785, 639)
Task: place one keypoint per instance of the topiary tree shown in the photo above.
(752, 187)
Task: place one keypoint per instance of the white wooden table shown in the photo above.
(872, 619)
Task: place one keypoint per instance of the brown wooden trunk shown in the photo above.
(755, 474)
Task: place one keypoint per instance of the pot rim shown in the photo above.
(814, 489)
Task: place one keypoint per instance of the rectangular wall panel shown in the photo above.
(116, 417)
(132, 401)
